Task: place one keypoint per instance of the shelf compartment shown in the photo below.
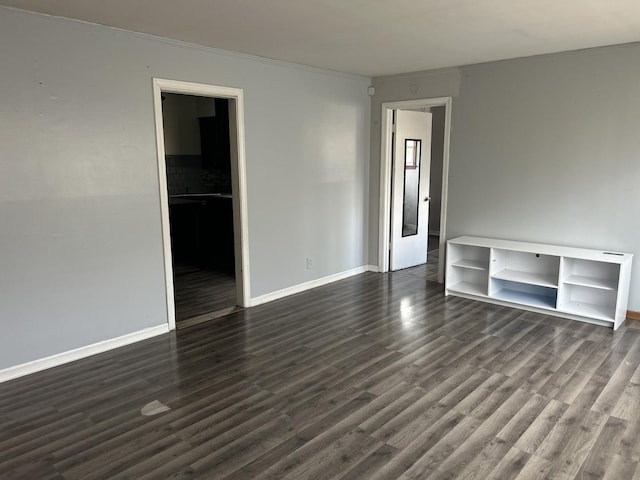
(468, 280)
(524, 293)
(587, 301)
(532, 278)
(590, 310)
(470, 263)
(468, 256)
(590, 273)
(525, 267)
(469, 288)
(468, 269)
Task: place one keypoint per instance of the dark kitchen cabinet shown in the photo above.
(202, 232)
(214, 138)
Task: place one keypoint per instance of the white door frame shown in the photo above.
(238, 178)
(385, 176)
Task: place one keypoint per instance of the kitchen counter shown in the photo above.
(199, 196)
(195, 198)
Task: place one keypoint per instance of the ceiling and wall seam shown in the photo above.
(195, 46)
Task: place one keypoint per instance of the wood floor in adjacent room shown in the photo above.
(374, 377)
(200, 290)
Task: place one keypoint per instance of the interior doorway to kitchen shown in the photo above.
(201, 173)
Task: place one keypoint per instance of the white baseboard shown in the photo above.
(78, 353)
(301, 287)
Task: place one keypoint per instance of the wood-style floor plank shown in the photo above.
(199, 290)
(378, 376)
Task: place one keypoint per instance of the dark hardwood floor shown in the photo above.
(373, 377)
(427, 271)
(201, 289)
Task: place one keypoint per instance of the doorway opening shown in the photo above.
(199, 130)
(413, 179)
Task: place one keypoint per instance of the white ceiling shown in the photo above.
(369, 37)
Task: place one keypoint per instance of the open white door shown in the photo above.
(410, 189)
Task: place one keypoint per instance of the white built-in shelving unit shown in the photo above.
(576, 283)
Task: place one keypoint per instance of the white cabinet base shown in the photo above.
(580, 284)
(545, 311)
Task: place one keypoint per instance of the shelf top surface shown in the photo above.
(469, 263)
(540, 279)
(572, 252)
(593, 282)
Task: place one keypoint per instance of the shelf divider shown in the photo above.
(593, 282)
(469, 263)
(539, 279)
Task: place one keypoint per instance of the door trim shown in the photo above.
(239, 185)
(384, 232)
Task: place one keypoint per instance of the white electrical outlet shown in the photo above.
(309, 263)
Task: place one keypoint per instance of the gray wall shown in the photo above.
(543, 149)
(80, 242)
